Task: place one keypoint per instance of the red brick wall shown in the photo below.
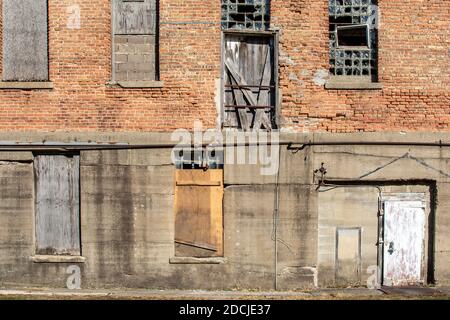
(414, 71)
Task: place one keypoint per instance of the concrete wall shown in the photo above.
(127, 222)
(404, 167)
(347, 208)
(356, 207)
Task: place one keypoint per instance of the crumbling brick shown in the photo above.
(413, 69)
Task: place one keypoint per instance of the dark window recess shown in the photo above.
(246, 14)
(200, 158)
(353, 38)
(57, 204)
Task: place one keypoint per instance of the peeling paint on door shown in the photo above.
(404, 231)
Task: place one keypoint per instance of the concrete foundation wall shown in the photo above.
(127, 216)
(351, 207)
(347, 208)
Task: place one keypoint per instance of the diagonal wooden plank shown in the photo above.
(242, 113)
(240, 81)
(238, 78)
(261, 118)
(260, 114)
(244, 119)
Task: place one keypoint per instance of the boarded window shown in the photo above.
(57, 204)
(25, 40)
(135, 33)
(250, 82)
(198, 213)
(353, 38)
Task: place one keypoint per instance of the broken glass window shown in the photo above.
(246, 14)
(200, 158)
(353, 38)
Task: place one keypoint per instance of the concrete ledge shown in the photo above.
(337, 85)
(25, 85)
(140, 84)
(57, 259)
(19, 156)
(28, 139)
(188, 260)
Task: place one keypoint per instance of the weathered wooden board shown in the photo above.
(57, 204)
(135, 17)
(198, 213)
(25, 40)
(249, 81)
(260, 115)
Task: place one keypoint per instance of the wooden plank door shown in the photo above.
(249, 82)
(57, 204)
(404, 231)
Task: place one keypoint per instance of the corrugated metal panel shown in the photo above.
(404, 231)
(57, 205)
(25, 40)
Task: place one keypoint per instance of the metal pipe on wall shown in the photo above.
(295, 146)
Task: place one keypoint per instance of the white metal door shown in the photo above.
(404, 230)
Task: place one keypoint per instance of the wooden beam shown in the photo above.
(261, 116)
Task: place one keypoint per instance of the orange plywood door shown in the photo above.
(198, 213)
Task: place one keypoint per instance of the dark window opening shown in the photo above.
(353, 36)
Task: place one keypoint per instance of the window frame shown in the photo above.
(136, 84)
(358, 81)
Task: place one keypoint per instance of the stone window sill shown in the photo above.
(26, 85)
(57, 259)
(188, 260)
(352, 84)
(138, 84)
